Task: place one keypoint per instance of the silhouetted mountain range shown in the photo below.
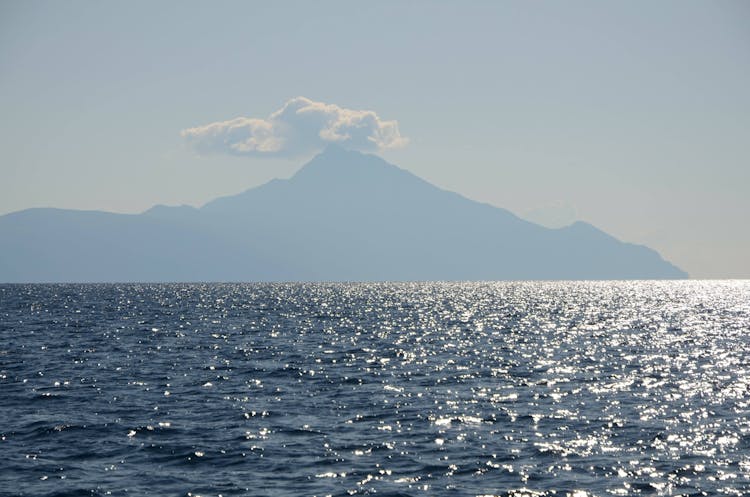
(343, 216)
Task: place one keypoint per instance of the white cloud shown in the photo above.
(300, 126)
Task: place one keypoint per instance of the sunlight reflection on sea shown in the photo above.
(528, 388)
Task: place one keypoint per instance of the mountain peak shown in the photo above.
(338, 162)
(336, 152)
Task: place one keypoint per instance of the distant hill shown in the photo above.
(345, 216)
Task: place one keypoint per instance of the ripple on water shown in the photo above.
(514, 389)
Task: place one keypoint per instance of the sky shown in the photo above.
(633, 116)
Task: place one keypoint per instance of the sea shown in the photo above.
(623, 388)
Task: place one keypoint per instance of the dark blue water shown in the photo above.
(607, 388)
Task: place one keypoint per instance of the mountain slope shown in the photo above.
(343, 216)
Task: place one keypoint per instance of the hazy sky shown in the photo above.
(633, 116)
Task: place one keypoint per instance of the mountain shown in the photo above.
(345, 216)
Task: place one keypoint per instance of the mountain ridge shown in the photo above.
(344, 216)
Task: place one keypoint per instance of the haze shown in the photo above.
(632, 116)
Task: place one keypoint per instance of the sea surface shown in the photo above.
(392, 389)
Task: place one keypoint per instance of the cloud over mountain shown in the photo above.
(301, 125)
